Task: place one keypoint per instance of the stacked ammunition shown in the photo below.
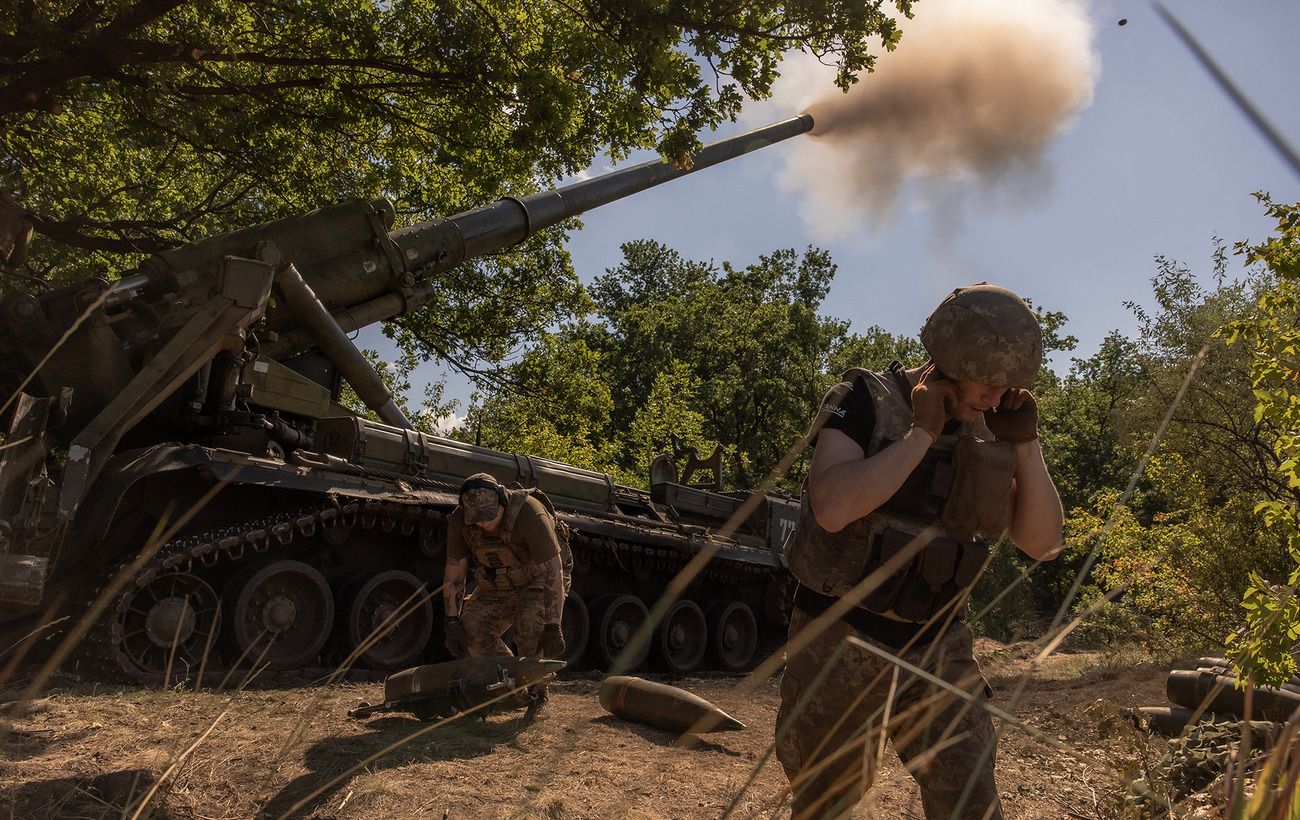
(1213, 692)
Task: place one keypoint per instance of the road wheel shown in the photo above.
(164, 630)
(682, 637)
(616, 621)
(388, 616)
(733, 635)
(281, 614)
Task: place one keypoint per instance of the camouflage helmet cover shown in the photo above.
(481, 497)
(987, 334)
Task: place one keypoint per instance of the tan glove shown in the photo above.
(931, 398)
(1015, 419)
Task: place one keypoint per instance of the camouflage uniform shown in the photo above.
(489, 614)
(507, 591)
(829, 747)
(910, 563)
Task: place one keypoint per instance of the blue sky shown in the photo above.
(1158, 163)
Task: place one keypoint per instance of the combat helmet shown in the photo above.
(987, 334)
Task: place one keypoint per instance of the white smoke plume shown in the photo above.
(972, 96)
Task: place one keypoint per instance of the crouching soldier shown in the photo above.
(520, 573)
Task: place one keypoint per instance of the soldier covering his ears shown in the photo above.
(914, 473)
(520, 573)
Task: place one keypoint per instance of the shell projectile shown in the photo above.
(444, 689)
(663, 706)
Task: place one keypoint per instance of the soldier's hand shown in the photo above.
(455, 638)
(1015, 419)
(931, 398)
(551, 644)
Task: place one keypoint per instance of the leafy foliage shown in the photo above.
(1185, 548)
(562, 407)
(1085, 434)
(1179, 584)
(1265, 646)
(713, 354)
(131, 126)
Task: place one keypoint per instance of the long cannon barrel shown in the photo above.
(508, 222)
(335, 270)
(430, 247)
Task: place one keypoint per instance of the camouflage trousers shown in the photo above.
(829, 744)
(487, 616)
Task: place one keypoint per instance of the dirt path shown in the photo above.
(86, 752)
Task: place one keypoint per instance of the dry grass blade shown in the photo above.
(395, 745)
(176, 764)
(974, 700)
(161, 535)
(1225, 82)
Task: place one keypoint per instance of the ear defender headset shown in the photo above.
(484, 484)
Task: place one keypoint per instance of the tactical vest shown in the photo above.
(927, 529)
(504, 565)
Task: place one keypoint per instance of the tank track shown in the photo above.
(239, 543)
(202, 552)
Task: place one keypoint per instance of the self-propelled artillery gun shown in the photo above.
(177, 465)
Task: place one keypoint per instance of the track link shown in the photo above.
(201, 553)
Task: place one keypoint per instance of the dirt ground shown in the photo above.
(87, 750)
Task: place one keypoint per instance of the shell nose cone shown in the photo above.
(730, 724)
(552, 665)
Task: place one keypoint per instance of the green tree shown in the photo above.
(131, 126)
(558, 406)
(1177, 573)
(1180, 552)
(751, 337)
(1214, 428)
(874, 350)
(715, 354)
(1085, 433)
(669, 411)
(1266, 645)
(135, 125)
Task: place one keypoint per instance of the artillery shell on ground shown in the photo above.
(1222, 666)
(1171, 720)
(662, 706)
(1203, 689)
(444, 689)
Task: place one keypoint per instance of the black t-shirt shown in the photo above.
(859, 418)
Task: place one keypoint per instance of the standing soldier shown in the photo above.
(520, 575)
(914, 471)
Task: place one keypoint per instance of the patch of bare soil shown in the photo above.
(85, 751)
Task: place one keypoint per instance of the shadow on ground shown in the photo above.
(328, 762)
(659, 737)
(113, 794)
